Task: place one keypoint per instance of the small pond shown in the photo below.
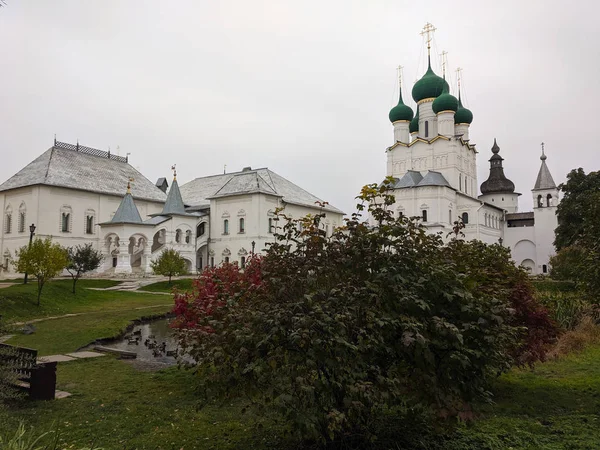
(152, 341)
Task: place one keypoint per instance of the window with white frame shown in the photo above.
(188, 236)
(8, 220)
(66, 216)
(22, 217)
(90, 221)
(178, 236)
(226, 226)
(242, 225)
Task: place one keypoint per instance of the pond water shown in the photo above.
(151, 341)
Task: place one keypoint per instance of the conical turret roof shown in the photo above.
(127, 212)
(174, 203)
(544, 179)
(497, 181)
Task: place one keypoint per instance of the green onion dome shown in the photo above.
(445, 102)
(401, 111)
(429, 86)
(414, 124)
(463, 115)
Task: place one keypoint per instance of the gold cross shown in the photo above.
(174, 171)
(428, 30)
(400, 75)
(458, 76)
(444, 61)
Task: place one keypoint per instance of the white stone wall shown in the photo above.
(509, 202)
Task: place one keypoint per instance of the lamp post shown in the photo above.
(253, 244)
(31, 233)
(500, 240)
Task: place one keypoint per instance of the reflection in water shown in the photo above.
(153, 341)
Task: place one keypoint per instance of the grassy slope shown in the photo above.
(103, 313)
(163, 286)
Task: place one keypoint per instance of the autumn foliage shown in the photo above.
(332, 332)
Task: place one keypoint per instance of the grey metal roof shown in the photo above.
(412, 178)
(127, 212)
(433, 178)
(244, 183)
(199, 191)
(174, 203)
(544, 179)
(79, 167)
(156, 220)
(497, 181)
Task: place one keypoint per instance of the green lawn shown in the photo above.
(101, 314)
(556, 405)
(181, 284)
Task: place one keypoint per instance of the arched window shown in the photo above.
(90, 218)
(178, 235)
(227, 259)
(544, 268)
(450, 216)
(226, 226)
(548, 201)
(460, 181)
(485, 221)
(8, 220)
(540, 202)
(270, 224)
(243, 261)
(424, 214)
(426, 128)
(201, 229)
(65, 219)
(188, 236)
(22, 217)
(242, 225)
(465, 218)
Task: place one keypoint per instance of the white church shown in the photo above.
(433, 165)
(79, 195)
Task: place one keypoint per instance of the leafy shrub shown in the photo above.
(332, 332)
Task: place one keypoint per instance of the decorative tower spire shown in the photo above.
(544, 179)
(174, 203)
(497, 182)
(428, 31)
(174, 169)
(444, 56)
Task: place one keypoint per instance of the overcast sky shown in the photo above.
(302, 87)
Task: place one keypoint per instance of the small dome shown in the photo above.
(445, 102)
(429, 86)
(414, 124)
(401, 111)
(463, 115)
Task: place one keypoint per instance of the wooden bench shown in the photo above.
(38, 379)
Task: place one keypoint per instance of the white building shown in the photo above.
(433, 165)
(75, 194)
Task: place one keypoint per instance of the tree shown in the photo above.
(333, 332)
(170, 263)
(82, 259)
(578, 232)
(43, 259)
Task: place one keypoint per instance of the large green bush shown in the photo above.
(331, 333)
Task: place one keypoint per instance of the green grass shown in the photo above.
(18, 302)
(182, 284)
(100, 314)
(115, 406)
(556, 405)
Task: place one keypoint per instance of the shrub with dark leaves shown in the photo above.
(332, 332)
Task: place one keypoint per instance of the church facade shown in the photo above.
(433, 167)
(79, 195)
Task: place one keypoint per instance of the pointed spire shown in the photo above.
(127, 212)
(497, 181)
(174, 203)
(544, 179)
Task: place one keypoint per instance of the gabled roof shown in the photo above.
(174, 203)
(127, 212)
(245, 183)
(84, 168)
(198, 192)
(544, 179)
(413, 178)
